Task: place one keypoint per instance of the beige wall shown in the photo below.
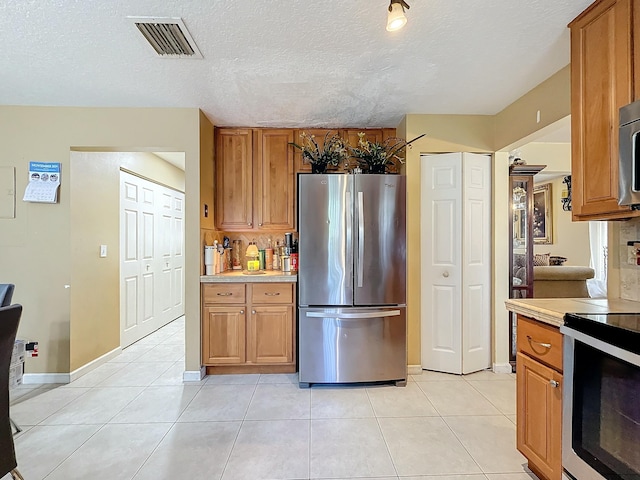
(468, 133)
(570, 239)
(36, 247)
(193, 344)
(95, 212)
(552, 98)
(445, 133)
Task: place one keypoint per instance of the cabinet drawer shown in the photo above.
(540, 341)
(214, 294)
(272, 293)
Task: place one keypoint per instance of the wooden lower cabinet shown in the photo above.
(255, 336)
(269, 334)
(223, 335)
(539, 413)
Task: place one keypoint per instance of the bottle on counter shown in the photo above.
(276, 256)
(216, 258)
(236, 261)
(294, 256)
(268, 256)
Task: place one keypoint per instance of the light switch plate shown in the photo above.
(103, 251)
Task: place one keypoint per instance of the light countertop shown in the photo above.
(236, 276)
(552, 310)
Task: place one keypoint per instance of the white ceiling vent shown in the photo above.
(169, 37)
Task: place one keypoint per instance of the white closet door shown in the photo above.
(476, 263)
(151, 257)
(455, 234)
(441, 240)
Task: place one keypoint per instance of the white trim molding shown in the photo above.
(93, 364)
(501, 368)
(414, 369)
(194, 375)
(42, 378)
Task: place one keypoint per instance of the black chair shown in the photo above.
(6, 292)
(9, 319)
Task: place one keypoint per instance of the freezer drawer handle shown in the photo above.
(386, 313)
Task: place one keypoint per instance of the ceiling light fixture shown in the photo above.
(396, 18)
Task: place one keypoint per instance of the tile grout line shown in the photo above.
(235, 440)
(386, 444)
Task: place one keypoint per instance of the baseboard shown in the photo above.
(93, 364)
(194, 375)
(414, 369)
(42, 378)
(501, 368)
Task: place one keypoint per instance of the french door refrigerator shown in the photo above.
(352, 278)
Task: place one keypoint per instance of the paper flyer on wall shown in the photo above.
(44, 180)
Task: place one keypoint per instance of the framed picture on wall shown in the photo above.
(542, 215)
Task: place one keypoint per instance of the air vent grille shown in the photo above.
(169, 37)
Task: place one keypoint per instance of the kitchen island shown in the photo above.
(248, 322)
(539, 374)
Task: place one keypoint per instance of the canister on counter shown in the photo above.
(286, 264)
(261, 257)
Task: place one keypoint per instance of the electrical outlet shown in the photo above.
(103, 251)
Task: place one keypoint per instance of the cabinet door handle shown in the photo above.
(248, 224)
(272, 294)
(225, 294)
(241, 311)
(253, 311)
(545, 345)
(259, 224)
(554, 384)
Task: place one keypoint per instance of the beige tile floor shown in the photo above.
(134, 418)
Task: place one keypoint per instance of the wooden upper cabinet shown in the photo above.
(234, 179)
(255, 186)
(274, 180)
(601, 82)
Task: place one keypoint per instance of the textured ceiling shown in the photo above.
(286, 62)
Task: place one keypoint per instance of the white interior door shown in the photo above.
(441, 240)
(151, 257)
(456, 269)
(476, 263)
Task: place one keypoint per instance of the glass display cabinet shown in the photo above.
(520, 241)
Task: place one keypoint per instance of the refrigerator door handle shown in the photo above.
(349, 222)
(360, 238)
(347, 316)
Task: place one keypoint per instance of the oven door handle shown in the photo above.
(598, 344)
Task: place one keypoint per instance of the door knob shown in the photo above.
(445, 274)
(554, 384)
(148, 267)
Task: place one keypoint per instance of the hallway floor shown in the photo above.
(134, 418)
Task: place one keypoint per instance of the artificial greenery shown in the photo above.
(376, 157)
(332, 152)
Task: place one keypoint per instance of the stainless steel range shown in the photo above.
(601, 401)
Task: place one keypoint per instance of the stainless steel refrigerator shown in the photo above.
(352, 278)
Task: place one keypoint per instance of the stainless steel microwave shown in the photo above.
(629, 164)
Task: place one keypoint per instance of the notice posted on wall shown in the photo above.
(44, 180)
